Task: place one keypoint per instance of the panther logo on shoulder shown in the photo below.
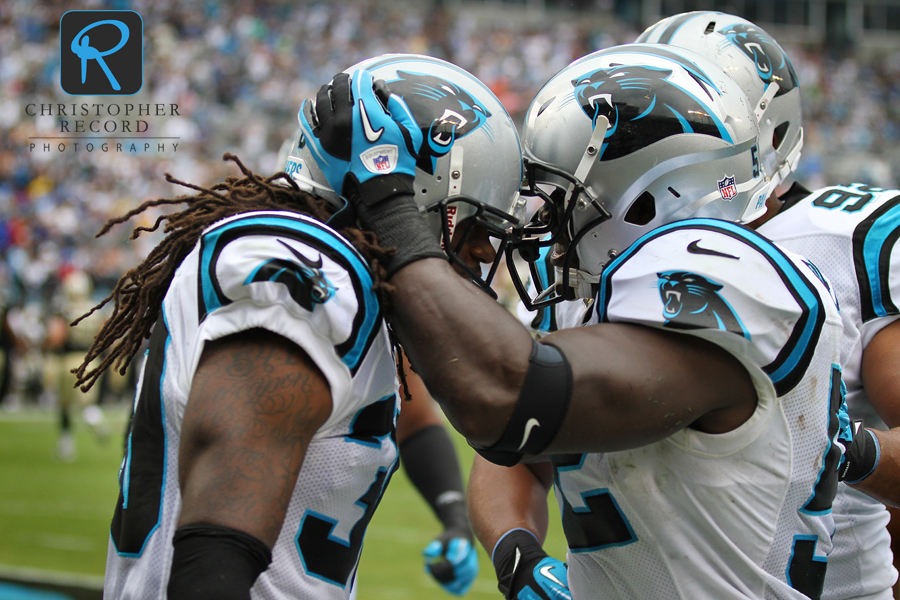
(303, 278)
(444, 111)
(643, 107)
(691, 301)
(772, 64)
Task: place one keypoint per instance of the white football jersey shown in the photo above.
(744, 514)
(298, 278)
(850, 233)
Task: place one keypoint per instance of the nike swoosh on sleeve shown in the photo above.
(694, 248)
(372, 135)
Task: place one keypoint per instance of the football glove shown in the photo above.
(453, 562)
(358, 128)
(861, 457)
(525, 572)
(365, 141)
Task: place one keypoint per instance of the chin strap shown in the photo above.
(583, 284)
(590, 156)
(790, 162)
(764, 102)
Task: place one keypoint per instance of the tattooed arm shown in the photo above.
(255, 403)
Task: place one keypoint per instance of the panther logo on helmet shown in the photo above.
(443, 110)
(642, 107)
(303, 279)
(771, 62)
(691, 301)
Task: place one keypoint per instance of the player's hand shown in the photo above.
(525, 572)
(546, 579)
(453, 562)
(359, 129)
(861, 456)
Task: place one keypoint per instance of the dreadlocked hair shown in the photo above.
(139, 293)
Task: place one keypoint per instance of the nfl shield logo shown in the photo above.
(727, 188)
(382, 163)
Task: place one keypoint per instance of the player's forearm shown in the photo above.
(504, 498)
(884, 483)
(471, 353)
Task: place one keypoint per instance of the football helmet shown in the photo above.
(759, 65)
(627, 139)
(470, 163)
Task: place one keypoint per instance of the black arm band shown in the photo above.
(506, 558)
(385, 205)
(540, 409)
(216, 563)
(430, 462)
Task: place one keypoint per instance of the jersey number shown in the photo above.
(143, 473)
(835, 198)
(330, 558)
(806, 571)
(599, 523)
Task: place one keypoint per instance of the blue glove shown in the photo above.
(357, 127)
(547, 580)
(385, 140)
(453, 562)
(525, 572)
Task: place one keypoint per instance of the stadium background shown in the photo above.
(237, 72)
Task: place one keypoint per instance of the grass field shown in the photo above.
(54, 516)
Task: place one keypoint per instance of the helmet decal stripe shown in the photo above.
(674, 26)
(648, 111)
(681, 119)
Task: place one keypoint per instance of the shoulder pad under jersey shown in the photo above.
(288, 269)
(727, 284)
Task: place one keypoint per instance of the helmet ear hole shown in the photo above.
(779, 133)
(642, 211)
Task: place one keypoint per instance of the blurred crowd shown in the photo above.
(238, 72)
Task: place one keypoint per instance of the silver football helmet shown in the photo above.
(470, 164)
(759, 65)
(628, 139)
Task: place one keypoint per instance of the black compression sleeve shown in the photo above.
(212, 562)
(430, 462)
(386, 206)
